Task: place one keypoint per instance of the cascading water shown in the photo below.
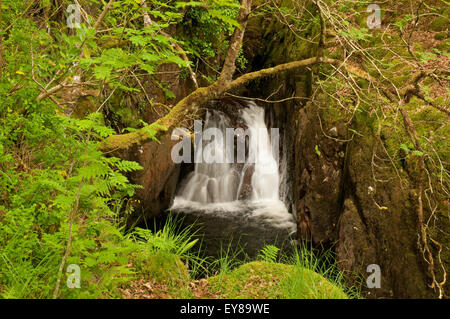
(211, 181)
(250, 187)
(265, 178)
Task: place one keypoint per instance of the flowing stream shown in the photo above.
(249, 183)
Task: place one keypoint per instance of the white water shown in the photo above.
(215, 187)
(265, 178)
(212, 182)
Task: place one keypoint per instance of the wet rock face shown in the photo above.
(231, 107)
(246, 188)
(338, 201)
(319, 163)
(378, 225)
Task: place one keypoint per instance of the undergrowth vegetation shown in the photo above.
(60, 203)
(62, 200)
(173, 267)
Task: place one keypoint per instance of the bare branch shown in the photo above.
(103, 14)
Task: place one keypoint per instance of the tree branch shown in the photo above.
(148, 21)
(103, 14)
(229, 65)
(61, 85)
(194, 100)
(197, 98)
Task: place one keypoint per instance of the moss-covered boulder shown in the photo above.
(273, 280)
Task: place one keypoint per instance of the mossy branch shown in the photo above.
(199, 97)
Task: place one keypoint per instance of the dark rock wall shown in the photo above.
(158, 178)
(319, 162)
(340, 201)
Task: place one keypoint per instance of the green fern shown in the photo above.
(269, 253)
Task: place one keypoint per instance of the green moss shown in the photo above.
(252, 280)
(444, 46)
(398, 72)
(273, 280)
(85, 105)
(301, 49)
(162, 267)
(108, 42)
(333, 114)
(441, 23)
(280, 41)
(441, 35)
(303, 283)
(124, 141)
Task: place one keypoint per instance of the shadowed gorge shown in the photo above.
(237, 191)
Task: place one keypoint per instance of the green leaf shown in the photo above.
(149, 68)
(138, 40)
(149, 57)
(218, 15)
(405, 148)
(102, 72)
(316, 148)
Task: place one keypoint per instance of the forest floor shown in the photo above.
(254, 280)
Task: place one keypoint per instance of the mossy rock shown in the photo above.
(85, 106)
(273, 280)
(399, 72)
(162, 267)
(109, 42)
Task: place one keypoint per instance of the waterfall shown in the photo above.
(211, 181)
(265, 178)
(251, 184)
